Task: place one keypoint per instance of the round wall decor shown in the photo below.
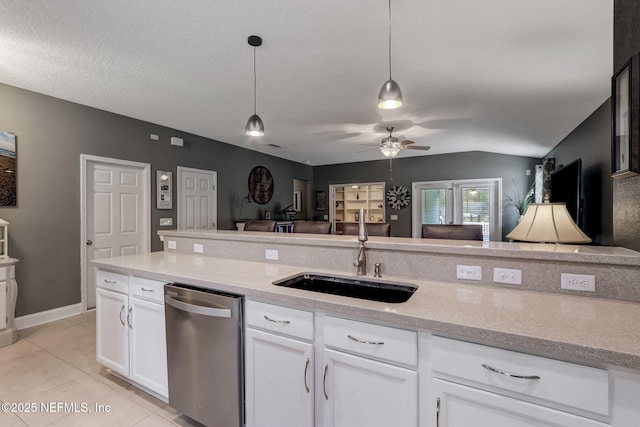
(260, 185)
(398, 197)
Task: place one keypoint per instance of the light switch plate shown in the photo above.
(166, 222)
(198, 248)
(394, 217)
(171, 244)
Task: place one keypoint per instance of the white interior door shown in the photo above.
(115, 213)
(197, 199)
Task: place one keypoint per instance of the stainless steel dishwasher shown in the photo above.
(204, 354)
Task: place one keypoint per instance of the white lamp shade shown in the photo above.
(548, 223)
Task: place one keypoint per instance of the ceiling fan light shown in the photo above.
(390, 95)
(390, 150)
(254, 127)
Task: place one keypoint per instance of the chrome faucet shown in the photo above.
(361, 259)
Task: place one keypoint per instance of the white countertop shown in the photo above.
(591, 330)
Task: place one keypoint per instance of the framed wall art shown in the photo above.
(8, 169)
(260, 185)
(625, 120)
(321, 201)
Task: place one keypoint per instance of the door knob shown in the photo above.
(89, 243)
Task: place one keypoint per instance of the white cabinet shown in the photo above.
(148, 345)
(130, 330)
(279, 366)
(474, 384)
(112, 338)
(366, 393)
(362, 384)
(456, 405)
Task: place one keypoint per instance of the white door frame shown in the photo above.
(496, 205)
(85, 159)
(179, 172)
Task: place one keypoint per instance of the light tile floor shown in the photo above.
(55, 364)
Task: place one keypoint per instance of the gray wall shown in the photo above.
(626, 192)
(44, 230)
(470, 165)
(591, 141)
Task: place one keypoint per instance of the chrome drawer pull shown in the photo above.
(306, 367)
(111, 282)
(507, 374)
(438, 412)
(352, 338)
(282, 322)
(147, 290)
(121, 311)
(129, 319)
(324, 382)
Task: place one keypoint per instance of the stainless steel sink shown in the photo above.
(375, 290)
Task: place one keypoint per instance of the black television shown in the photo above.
(565, 187)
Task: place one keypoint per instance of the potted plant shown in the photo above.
(520, 201)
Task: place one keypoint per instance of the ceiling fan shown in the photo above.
(391, 145)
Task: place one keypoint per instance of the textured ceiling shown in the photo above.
(508, 76)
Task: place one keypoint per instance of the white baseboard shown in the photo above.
(34, 319)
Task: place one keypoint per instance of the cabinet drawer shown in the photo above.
(381, 342)
(560, 383)
(113, 281)
(284, 320)
(152, 290)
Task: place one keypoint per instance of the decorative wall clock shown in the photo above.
(260, 185)
(398, 197)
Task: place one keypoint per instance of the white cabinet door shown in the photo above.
(148, 346)
(278, 381)
(461, 406)
(359, 392)
(112, 337)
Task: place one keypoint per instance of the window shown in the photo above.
(472, 201)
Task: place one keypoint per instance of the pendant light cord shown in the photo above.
(389, 39)
(255, 110)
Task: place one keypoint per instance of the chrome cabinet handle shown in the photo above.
(129, 319)
(282, 322)
(306, 368)
(112, 282)
(507, 374)
(89, 243)
(147, 290)
(438, 412)
(121, 312)
(352, 338)
(324, 382)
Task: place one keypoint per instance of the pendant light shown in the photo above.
(390, 95)
(254, 127)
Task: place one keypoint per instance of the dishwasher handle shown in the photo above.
(198, 309)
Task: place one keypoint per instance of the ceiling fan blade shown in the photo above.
(406, 142)
(371, 145)
(417, 147)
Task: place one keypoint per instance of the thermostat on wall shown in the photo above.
(163, 179)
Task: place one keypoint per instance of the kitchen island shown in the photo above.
(587, 332)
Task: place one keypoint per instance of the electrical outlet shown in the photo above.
(507, 275)
(393, 217)
(198, 248)
(165, 222)
(171, 244)
(271, 254)
(469, 272)
(578, 282)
